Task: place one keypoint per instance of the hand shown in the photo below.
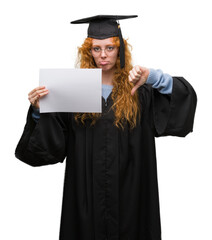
(138, 76)
(36, 94)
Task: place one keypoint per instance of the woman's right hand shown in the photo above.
(36, 94)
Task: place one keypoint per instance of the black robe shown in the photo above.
(110, 186)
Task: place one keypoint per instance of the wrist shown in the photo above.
(152, 76)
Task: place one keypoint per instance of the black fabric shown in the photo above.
(103, 18)
(122, 49)
(110, 186)
(44, 142)
(103, 26)
(103, 29)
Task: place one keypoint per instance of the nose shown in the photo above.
(103, 54)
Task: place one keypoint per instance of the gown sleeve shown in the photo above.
(44, 142)
(173, 114)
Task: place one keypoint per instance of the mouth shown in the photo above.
(103, 63)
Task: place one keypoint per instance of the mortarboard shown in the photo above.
(106, 26)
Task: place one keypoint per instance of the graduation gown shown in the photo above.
(110, 185)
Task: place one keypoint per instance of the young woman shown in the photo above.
(110, 187)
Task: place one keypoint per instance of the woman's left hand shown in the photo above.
(138, 76)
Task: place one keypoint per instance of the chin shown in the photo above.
(106, 68)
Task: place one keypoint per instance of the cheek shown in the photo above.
(115, 58)
(95, 60)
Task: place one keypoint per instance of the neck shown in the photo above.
(107, 77)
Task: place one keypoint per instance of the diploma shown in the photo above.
(71, 90)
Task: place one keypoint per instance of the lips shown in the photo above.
(103, 63)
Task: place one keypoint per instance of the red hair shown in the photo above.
(125, 106)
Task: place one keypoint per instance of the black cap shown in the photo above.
(106, 26)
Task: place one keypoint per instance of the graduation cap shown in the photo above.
(106, 26)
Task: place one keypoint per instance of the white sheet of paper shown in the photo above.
(71, 90)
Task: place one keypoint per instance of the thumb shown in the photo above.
(134, 89)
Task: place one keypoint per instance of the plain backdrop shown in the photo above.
(172, 35)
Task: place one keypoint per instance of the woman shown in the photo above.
(110, 187)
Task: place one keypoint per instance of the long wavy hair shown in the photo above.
(125, 106)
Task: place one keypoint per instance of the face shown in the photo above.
(105, 53)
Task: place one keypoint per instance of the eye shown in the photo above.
(110, 48)
(96, 49)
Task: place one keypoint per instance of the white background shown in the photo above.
(173, 35)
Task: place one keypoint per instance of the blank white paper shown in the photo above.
(71, 90)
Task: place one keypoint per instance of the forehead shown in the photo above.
(102, 42)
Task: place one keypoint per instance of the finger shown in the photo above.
(36, 102)
(138, 69)
(134, 89)
(130, 79)
(132, 76)
(37, 88)
(136, 73)
(33, 100)
(40, 95)
(43, 94)
(38, 92)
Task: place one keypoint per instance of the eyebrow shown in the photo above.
(112, 44)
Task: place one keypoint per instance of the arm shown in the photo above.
(163, 82)
(44, 142)
(34, 97)
(170, 114)
(35, 114)
(172, 100)
(175, 115)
